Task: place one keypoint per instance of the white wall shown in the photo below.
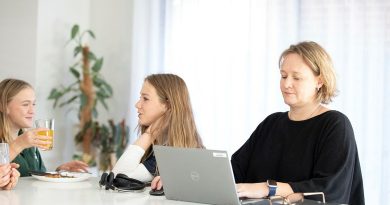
(54, 56)
(18, 33)
(110, 21)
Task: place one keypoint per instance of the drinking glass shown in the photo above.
(4, 153)
(49, 124)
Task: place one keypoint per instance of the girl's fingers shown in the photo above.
(5, 180)
(4, 170)
(14, 165)
(155, 182)
(159, 185)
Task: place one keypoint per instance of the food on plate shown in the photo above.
(57, 175)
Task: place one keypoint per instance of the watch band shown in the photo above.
(272, 186)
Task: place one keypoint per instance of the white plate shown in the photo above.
(77, 177)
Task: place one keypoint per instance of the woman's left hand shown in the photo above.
(74, 166)
(252, 190)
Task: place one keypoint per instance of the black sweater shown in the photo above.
(314, 155)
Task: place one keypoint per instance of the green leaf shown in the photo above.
(75, 31)
(69, 101)
(66, 90)
(104, 104)
(91, 34)
(98, 65)
(91, 56)
(77, 50)
(62, 104)
(72, 99)
(102, 93)
(75, 72)
(108, 88)
(97, 81)
(53, 94)
(56, 95)
(101, 100)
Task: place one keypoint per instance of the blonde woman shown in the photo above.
(17, 111)
(165, 118)
(310, 148)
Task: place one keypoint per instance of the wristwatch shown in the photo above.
(272, 185)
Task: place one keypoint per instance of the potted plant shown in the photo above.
(87, 91)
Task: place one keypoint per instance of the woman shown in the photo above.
(307, 149)
(165, 118)
(17, 109)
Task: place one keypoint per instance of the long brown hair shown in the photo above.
(8, 89)
(178, 127)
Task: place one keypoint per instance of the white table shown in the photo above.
(34, 192)
(31, 191)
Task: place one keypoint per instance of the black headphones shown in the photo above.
(120, 183)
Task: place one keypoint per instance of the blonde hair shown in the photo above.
(8, 89)
(320, 63)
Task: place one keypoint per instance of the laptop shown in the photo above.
(198, 175)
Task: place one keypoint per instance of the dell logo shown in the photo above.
(195, 176)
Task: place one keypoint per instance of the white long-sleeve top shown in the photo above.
(129, 164)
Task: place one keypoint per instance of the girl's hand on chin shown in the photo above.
(154, 128)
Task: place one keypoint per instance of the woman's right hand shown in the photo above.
(31, 138)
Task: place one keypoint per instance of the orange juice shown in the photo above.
(49, 133)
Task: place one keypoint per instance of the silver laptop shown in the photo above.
(198, 175)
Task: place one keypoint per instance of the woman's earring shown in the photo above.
(318, 89)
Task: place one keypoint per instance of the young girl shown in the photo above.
(17, 109)
(165, 118)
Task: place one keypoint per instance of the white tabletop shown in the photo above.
(34, 192)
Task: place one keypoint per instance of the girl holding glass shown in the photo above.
(17, 110)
